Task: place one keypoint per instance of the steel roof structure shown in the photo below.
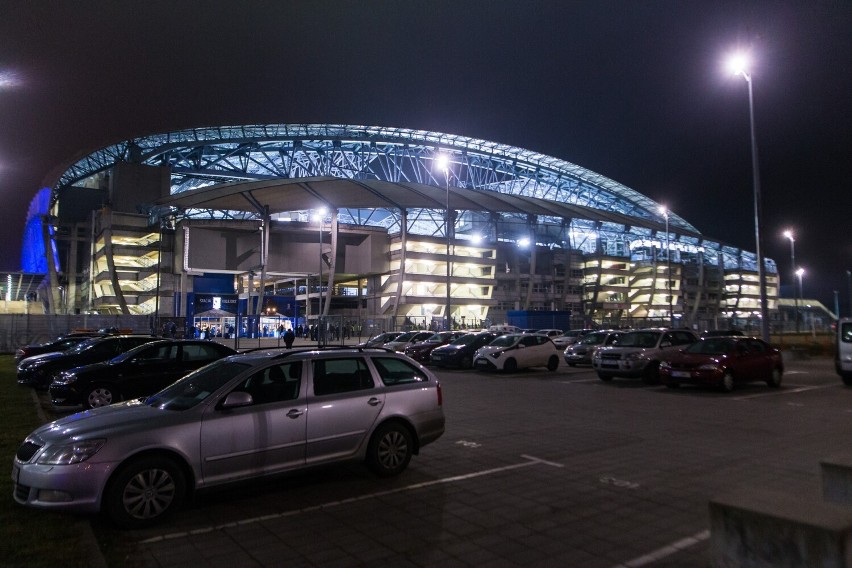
(490, 183)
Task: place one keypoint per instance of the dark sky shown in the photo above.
(632, 90)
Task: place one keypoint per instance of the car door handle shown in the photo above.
(295, 413)
(374, 401)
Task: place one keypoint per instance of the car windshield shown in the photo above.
(197, 386)
(504, 341)
(593, 339)
(465, 339)
(437, 338)
(80, 347)
(404, 337)
(127, 354)
(639, 339)
(715, 346)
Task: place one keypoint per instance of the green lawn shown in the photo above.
(30, 537)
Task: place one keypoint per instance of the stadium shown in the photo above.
(390, 226)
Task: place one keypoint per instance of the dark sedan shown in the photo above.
(38, 371)
(723, 362)
(142, 371)
(55, 346)
(421, 352)
(460, 352)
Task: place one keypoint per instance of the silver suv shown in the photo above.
(638, 353)
(241, 417)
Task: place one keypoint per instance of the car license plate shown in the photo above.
(437, 356)
(681, 374)
(481, 363)
(609, 363)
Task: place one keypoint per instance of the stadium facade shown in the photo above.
(352, 222)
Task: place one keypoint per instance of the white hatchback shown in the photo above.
(517, 351)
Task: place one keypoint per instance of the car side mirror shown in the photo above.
(237, 399)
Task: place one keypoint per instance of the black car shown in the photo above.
(460, 352)
(59, 344)
(142, 371)
(421, 352)
(38, 371)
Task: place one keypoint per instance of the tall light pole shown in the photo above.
(320, 217)
(665, 213)
(738, 64)
(800, 272)
(789, 235)
(443, 163)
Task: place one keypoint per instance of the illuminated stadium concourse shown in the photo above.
(350, 222)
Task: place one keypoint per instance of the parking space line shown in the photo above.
(787, 391)
(665, 551)
(531, 460)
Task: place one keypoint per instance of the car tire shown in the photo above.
(510, 366)
(651, 374)
(390, 450)
(572, 364)
(775, 379)
(553, 363)
(144, 491)
(100, 395)
(604, 378)
(847, 379)
(728, 382)
(673, 385)
(466, 362)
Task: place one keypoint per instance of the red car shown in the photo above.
(723, 362)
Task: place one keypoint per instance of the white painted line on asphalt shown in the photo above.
(531, 460)
(665, 551)
(786, 391)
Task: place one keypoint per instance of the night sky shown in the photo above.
(635, 91)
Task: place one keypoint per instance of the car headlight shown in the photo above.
(665, 365)
(495, 355)
(68, 454)
(64, 378)
(633, 356)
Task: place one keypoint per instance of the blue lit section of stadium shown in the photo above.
(351, 221)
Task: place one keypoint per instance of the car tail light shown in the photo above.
(440, 395)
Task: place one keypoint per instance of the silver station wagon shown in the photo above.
(241, 417)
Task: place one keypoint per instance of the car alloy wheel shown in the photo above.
(390, 450)
(100, 395)
(775, 380)
(144, 491)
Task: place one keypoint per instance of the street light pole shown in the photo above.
(320, 218)
(665, 213)
(444, 164)
(789, 235)
(739, 66)
(800, 272)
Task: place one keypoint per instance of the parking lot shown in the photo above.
(535, 468)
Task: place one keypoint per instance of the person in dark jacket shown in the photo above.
(289, 337)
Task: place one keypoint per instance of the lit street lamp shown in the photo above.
(665, 213)
(789, 235)
(443, 163)
(738, 65)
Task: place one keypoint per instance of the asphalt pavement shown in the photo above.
(536, 468)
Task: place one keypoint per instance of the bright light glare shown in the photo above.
(664, 211)
(443, 162)
(788, 234)
(476, 239)
(8, 79)
(800, 272)
(738, 64)
(525, 242)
